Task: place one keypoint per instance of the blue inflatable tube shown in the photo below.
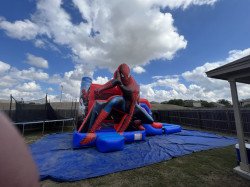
(109, 142)
(170, 128)
(151, 131)
(134, 136)
(78, 137)
(166, 129)
(143, 105)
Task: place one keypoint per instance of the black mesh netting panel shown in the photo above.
(51, 113)
(34, 110)
(30, 112)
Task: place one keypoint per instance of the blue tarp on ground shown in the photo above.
(57, 160)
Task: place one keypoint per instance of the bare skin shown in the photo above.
(17, 167)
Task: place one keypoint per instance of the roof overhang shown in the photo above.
(238, 70)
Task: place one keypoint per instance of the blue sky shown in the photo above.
(168, 46)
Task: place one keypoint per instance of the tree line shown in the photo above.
(203, 103)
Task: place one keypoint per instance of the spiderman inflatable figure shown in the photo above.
(125, 104)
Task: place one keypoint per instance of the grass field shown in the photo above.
(206, 168)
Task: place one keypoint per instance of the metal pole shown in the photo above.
(239, 127)
(73, 124)
(71, 108)
(43, 128)
(199, 119)
(76, 116)
(228, 122)
(46, 112)
(62, 126)
(10, 106)
(61, 93)
(23, 130)
(179, 116)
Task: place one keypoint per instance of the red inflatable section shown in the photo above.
(157, 125)
(106, 94)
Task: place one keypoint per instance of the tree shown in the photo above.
(225, 102)
(189, 103)
(178, 102)
(206, 104)
(164, 102)
(247, 106)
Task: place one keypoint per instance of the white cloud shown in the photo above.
(184, 3)
(100, 80)
(138, 69)
(71, 80)
(7, 81)
(236, 54)
(199, 77)
(11, 76)
(162, 88)
(199, 86)
(198, 74)
(29, 87)
(83, 7)
(65, 98)
(21, 83)
(26, 90)
(37, 61)
(39, 43)
(25, 95)
(50, 89)
(4, 67)
(132, 32)
(29, 74)
(23, 30)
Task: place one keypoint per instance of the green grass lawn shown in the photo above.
(206, 168)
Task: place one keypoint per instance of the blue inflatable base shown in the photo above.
(108, 140)
(57, 160)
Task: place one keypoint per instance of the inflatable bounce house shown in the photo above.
(114, 114)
